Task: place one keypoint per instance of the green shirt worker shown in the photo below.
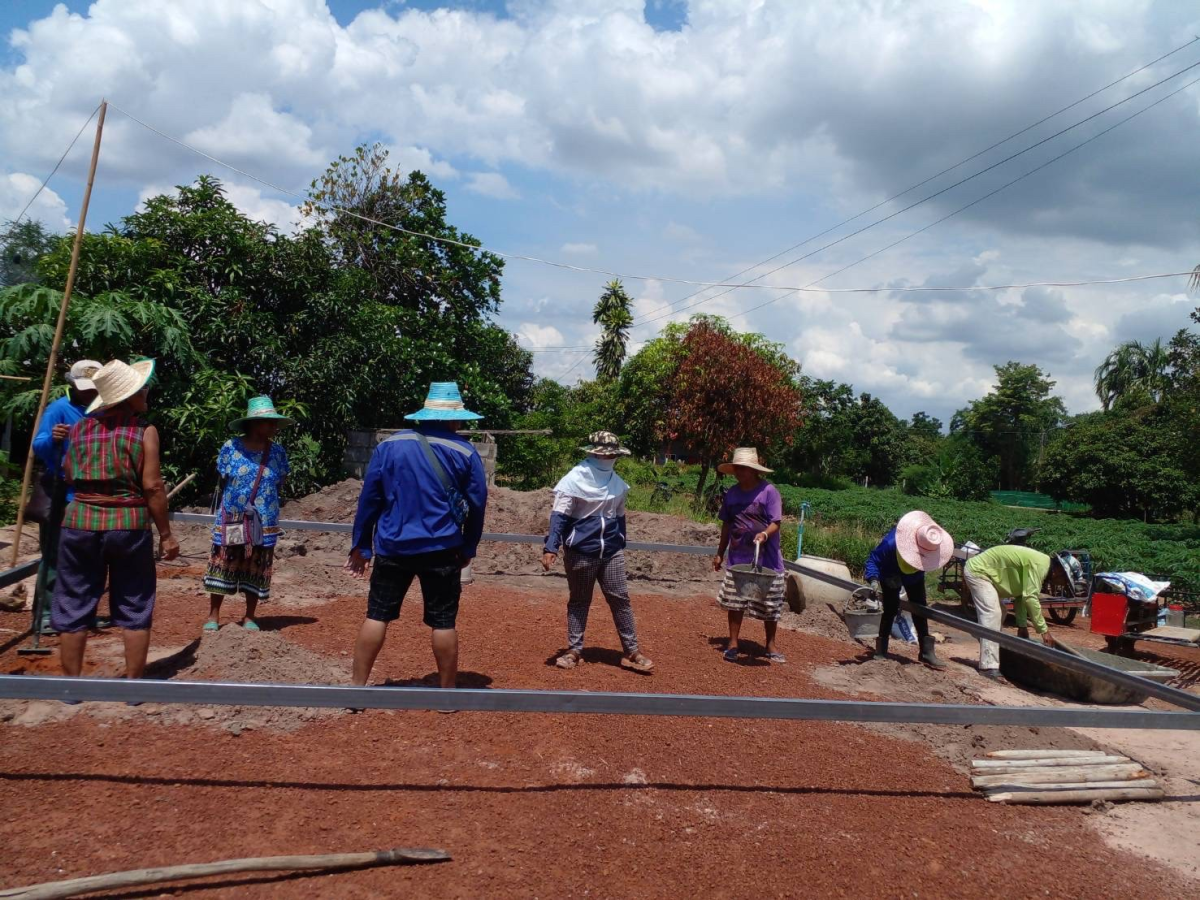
(1019, 574)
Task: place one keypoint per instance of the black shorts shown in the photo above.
(441, 585)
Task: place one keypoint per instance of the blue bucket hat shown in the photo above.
(444, 403)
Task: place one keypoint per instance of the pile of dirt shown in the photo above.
(908, 681)
(231, 654)
(820, 619)
(516, 512)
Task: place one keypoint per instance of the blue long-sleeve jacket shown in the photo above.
(883, 564)
(590, 528)
(61, 412)
(404, 510)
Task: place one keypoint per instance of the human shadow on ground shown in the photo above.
(751, 653)
(278, 623)
(603, 656)
(169, 666)
(465, 680)
(142, 781)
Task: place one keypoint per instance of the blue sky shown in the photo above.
(683, 139)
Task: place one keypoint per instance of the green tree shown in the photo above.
(823, 444)
(1013, 422)
(1123, 465)
(877, 443)
(1134, 373)
(21, 246)
(955, 470)
(613, 314)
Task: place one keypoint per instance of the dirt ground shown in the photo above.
(558, 805)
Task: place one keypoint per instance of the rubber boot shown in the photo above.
(881, 646)
(929, 655)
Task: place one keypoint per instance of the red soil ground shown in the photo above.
(528, 805)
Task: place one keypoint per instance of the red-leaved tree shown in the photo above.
(728, 394)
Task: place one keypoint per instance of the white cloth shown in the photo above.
(990, 614)
(594, 480)
(1136, 585)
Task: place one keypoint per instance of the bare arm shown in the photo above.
(721, 548)
(154, 489)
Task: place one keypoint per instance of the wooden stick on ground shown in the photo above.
(984, 766)
(1080, 796)
(1058, 775)
(53, 890)
(1044, 754)
(179, 487)
(1019, 787)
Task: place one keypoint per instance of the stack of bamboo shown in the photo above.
(1061, 776)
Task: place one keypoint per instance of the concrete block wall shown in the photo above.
(361, 443)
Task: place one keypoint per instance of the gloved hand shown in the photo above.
(876, 588)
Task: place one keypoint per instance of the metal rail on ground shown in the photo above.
(589, 702)
(1033, 649)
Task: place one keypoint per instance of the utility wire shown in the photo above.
(945, 171)
(812, 284)
(939, 193)
(46, 180)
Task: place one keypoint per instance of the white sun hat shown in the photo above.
(80, 375)
(743, 456)
(923, 543)
(116, 381)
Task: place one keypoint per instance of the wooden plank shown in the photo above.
(1045, 798)
(998, 764)
(1173, 633)
(1053, 776)
(1017, 786)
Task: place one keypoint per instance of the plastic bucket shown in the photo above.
(751, 583)
(864, 626)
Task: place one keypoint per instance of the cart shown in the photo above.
(1062, 610)
(1124, 622)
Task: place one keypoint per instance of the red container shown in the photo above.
(1108, 613)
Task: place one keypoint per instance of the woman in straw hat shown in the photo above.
(915, 546)
(588, 522)
(113, 466)
(252, 468)
(750, 515)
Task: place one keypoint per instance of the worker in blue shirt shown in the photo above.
(915, 546)
(50, 446)
(420, 515)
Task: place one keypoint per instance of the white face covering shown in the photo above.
(594, 479)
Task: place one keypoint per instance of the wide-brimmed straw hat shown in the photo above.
(443, 403)
(80, 374)
(605, 443)
(116, 381)
(743, 456)
(923, 543)
(258, 409)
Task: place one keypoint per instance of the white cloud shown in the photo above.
(15, 190)
(491, 184)
(536, 336)
(581, 249)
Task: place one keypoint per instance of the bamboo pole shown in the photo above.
(179, 487)
(1018, 787)
(58, 333)
(16, 378)
(1056, 776)
(1081, 796)
(52, 890)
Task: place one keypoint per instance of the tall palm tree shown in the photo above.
(1132, 368)
(613, 313)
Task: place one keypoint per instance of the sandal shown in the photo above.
(211, 626)
(569, 660)
(637, 663)
(776, 657)
(730, 655)
(250, 625)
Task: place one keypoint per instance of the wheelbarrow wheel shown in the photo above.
(1063, 616)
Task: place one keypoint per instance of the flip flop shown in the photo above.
(776, 657)
(637, 663)
(730, 655)
(569, 660)
(251, 625)
(211, 626)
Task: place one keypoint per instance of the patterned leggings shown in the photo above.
(582, 574)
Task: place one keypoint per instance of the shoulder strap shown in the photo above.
(434, 462)
(257, 478)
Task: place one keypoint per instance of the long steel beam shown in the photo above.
(1034, 649)
(592, 702)
(19, 573)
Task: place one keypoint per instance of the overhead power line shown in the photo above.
(933, 177)
(946, 189)
(46, 180)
